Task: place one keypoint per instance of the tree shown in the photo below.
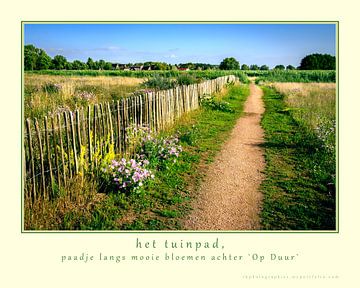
(59, 62)
(245, 67)
(90, 63)
(229, 64)
(35, 58)
(43, 61)
(101, 64)
(108, 66)
(290, 67)
(318, 62)
(279, 67)
(78, 65)
(264, 67)
(254, 67)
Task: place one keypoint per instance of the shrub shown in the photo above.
(159, 83)
(187, 79)
(209, 102)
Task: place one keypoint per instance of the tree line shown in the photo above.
(310, 62)
(37, 59)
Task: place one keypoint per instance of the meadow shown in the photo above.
(300, 152)
(51, 94)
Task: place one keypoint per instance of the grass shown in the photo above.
(44, 94)
(299, 189)
(304, 76)
(202, 75)
(162, 203)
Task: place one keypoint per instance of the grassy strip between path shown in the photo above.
(296, 191)
(167, 199)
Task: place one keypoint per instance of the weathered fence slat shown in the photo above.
(74, 143)
(31, 156)
(38, 134)
(61, 149)
(48, 151)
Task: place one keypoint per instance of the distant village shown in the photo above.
(162, 66)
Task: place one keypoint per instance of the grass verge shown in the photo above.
(298, 193)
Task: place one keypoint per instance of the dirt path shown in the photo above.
(229, 197)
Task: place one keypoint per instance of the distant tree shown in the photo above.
(254, 67)
(35, 58)
(59, 62)
(30, 57)
(245, 67)
(318, 62)
(290, 67)
(69, 66)
(108, 66)
(96, 65)
(78, 65)
(90, 64)
(101, 64)
(264, 67)
(279, 67)
(43, 61)
(229, 64)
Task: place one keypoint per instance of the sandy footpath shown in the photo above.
(229, 197)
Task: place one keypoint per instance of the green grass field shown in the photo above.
(299, 189)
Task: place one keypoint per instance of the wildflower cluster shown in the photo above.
(326, 131)
(169, 148)
(137, 135)
(209, 101)
(85, 95)
(129, 174)
(159, 148)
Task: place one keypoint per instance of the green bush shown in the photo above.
(159, 83)
(210, 102)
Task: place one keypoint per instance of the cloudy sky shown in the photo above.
(268, 44)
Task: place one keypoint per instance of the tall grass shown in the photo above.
(44, 94)
(297, 76)
(314, 107)
(206, 74)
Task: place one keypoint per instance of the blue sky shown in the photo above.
(268, 44)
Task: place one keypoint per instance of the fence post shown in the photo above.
(62, 150)
(31, 156)
(41, 156)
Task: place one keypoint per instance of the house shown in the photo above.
(137, 68)
(149, 67)
(183, 69)
(118, 66)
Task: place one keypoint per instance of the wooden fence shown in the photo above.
(62, 146)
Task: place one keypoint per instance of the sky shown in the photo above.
(261, 44)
